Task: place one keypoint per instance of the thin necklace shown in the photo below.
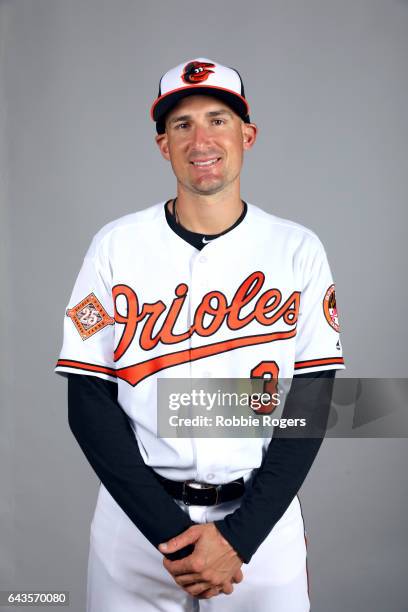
(175, 214)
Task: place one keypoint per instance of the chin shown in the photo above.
(209, 190)
(209, 186)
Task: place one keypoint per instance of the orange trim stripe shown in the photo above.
(135, 373)
(318, 362)
(306, 564)
(89, 367)
(307, 567)
(172, 91)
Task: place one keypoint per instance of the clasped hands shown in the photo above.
(212, 568)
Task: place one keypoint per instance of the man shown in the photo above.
(203, 285)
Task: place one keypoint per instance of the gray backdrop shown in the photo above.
(327, 84)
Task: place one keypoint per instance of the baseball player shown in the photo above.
(203, 285)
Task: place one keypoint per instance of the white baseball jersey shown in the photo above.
(258, 300)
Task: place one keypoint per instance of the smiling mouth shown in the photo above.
(205, 164)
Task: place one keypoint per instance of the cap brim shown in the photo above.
(166, 102)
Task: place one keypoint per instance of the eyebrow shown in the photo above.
(215, 113)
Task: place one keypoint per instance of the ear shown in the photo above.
(249, 134)
(162, 143)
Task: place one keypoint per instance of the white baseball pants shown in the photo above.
(125, 572)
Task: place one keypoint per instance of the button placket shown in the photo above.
(200, 274)
(197, 275)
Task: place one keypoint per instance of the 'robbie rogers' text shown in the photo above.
(264, 420)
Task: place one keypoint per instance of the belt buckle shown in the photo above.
(193, 485)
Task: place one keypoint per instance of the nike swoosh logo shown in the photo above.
(205, 241)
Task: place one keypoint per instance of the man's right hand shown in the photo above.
(211, 591)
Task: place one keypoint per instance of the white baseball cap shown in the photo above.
(199, 76)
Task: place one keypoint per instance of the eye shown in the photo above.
(181, 126)
(218, 121)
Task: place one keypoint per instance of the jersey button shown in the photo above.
(202, 259)
(210, 476)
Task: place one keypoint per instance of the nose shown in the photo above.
(200, 136)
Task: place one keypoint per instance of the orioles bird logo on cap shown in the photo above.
(196, 72)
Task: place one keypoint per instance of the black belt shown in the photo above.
(194, 493)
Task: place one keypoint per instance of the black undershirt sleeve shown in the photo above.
(285, 466)
(103, 431)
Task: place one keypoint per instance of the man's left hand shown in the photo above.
(212, 567)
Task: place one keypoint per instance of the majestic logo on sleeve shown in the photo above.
(213, 312)
(196, 72)
(330, 308)
(89, 316)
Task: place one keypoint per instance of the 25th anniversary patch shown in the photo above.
(89, 316)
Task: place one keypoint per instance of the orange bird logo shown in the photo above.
(196, 72)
